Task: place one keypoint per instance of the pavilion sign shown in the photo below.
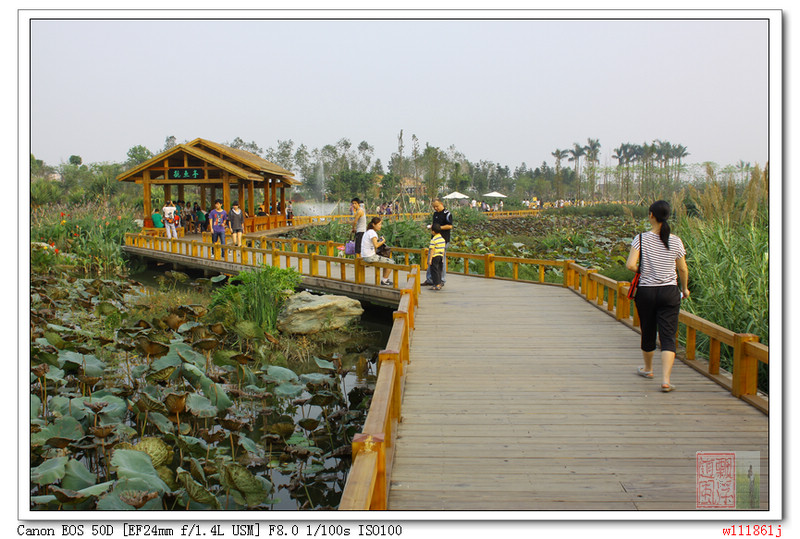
(187, 173)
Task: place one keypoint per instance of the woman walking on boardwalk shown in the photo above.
(661, 258)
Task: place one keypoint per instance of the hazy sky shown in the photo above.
(509, 91)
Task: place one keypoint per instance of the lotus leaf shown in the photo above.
(168, 476)
(196, 491)
(161, 375)
(248, 329)
(186, 326)
(187, 355)
(114, 411)
(200, 406)
(112, 501)
(55, 339)
(176, 402)
(88, 364)
(49, 471)
(161, 422)
(213, 391)
(55, 375)
(151, 348)
(173, 321)
(218, 278)
(205, 344)
(322, 364)
(65, 427)
(309, 423)
(137, 465)
(250, 446)
(323, 398)
(36, 406)
(316, 378)
(196, 469)
(288, 390)
(284, 430)
(240, 478)
(148, 403)
(77, 476)
(137, 498)
(281, 374)
(190, 444)
(66, 496)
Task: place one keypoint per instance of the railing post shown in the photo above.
(567, 276)
(488, 268)
(374, 443)
(745, 368)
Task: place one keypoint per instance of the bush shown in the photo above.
(466, 216)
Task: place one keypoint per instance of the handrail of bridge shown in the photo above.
(367, 486)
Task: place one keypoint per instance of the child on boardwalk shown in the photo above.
(436, 256)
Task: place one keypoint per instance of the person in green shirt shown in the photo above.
(157, 220)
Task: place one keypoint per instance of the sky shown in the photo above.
(507, 91)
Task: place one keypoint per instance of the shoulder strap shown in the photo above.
(641, 253)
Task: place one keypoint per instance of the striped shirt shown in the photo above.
(437, 245)
(657, 263)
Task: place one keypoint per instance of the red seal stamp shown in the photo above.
(716, 480)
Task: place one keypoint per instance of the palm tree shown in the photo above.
(559, 155)
(577, 152)
(592, 149)
(680, 152)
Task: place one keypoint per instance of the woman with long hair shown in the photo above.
(661, 258)
(369, 247)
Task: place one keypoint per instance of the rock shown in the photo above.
(306, 313)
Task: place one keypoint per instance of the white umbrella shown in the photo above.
(495, 194)
(455, 194)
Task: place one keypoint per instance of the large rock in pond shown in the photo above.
(306, 313)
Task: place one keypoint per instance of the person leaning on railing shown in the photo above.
(658, 299)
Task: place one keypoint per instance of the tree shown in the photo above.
(577, 152)
(138, 155)
(75, 160)
(365, 155)
(559, 180)
(432, 161)
(170, 142)
(592, 152)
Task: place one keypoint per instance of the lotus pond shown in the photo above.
(142, 399)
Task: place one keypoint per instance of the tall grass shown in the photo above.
(256, 295)
(727, 249)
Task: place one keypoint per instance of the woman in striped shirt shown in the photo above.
(662, 259)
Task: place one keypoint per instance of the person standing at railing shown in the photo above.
(170, 218)
(658, 298)
(444, 219)
(219, 221)
(436, 256)
(359, 223)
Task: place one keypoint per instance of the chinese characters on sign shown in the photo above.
(186, 174)
(716, 480)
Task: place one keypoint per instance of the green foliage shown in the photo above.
(602, 210)
(336, 231)
(89, 235)
(465, 216)
(407, 233)
(256, 295)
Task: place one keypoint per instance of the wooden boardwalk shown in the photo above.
(525, 397)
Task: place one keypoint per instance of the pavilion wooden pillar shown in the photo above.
(240, 193)
(148, 203)
(274, 194)
(167, 193)
(181, 195)
(226, 192)
(283, 199)
(203, 197)
(251, 198)
(266, 196)
(213, 195)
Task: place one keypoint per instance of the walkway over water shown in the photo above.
(502, 394)
(524, 397)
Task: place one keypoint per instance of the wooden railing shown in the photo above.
(367, 486)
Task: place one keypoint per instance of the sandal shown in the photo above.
(436, 287)
(644, 374)
(666, 388)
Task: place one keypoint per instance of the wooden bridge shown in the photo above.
(514, 394)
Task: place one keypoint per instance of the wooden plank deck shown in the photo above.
(525, 397)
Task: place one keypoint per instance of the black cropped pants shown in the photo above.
(658, 308)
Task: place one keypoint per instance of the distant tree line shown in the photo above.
(339, 171)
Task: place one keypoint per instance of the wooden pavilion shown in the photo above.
(210, 167)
